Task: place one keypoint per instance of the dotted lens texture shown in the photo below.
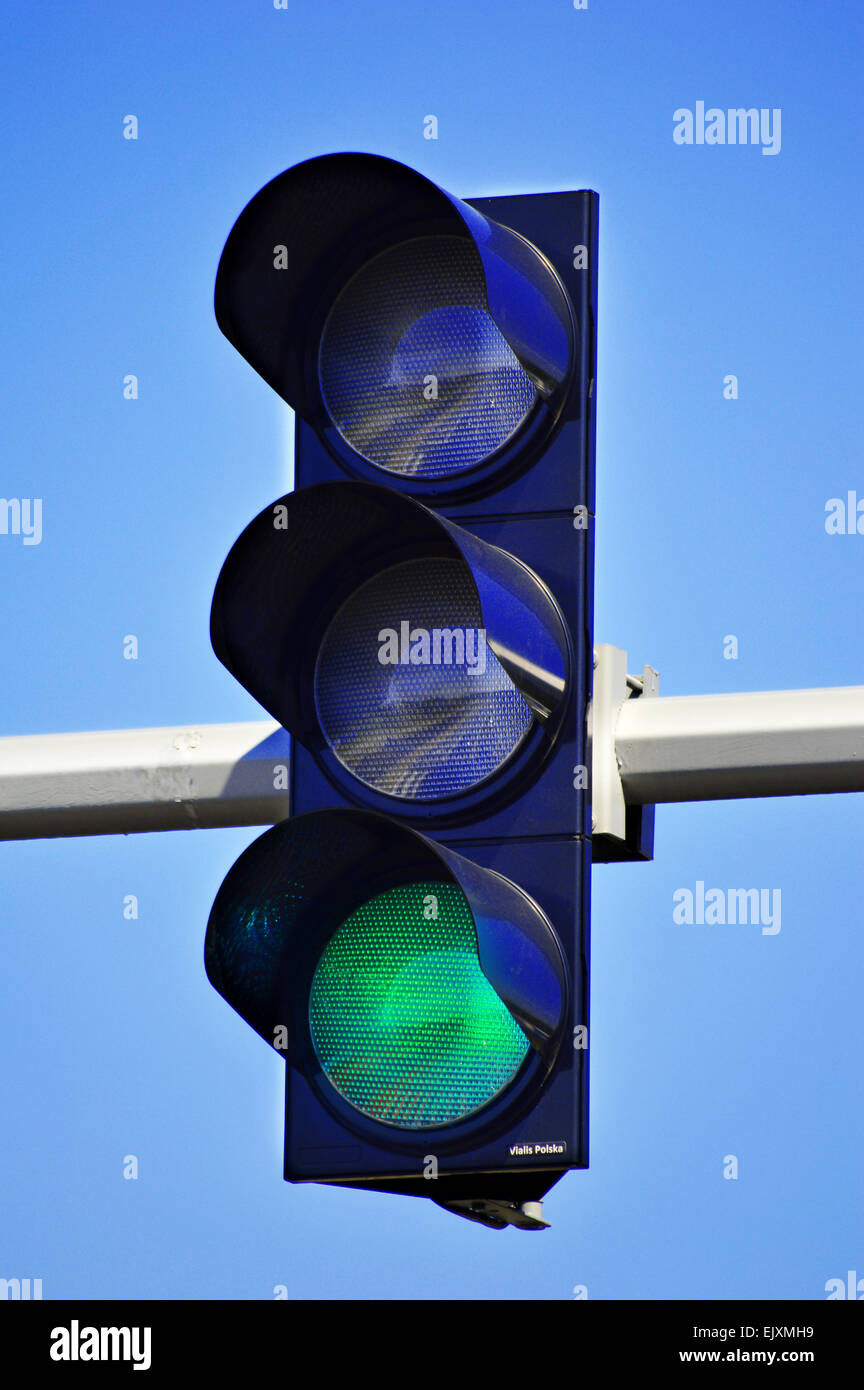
(397, 714)
(406, 1026)
(415, 375)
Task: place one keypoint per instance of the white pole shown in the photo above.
(675, 748)
(765, 743)
(176, 778)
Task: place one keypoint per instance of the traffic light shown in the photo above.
(418, 615)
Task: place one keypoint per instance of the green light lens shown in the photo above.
(404, 1022)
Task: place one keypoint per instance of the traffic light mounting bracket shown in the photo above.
(620, 830)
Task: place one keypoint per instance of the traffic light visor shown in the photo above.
(394, 972)
(399, 648)
(367, 296)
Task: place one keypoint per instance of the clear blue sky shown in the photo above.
(715, 260)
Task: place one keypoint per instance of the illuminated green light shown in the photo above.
(405, 1024)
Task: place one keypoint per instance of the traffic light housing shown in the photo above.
(418, 615)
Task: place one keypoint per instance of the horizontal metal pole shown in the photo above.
(127, 780)
(766, 743)
(674, 748)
